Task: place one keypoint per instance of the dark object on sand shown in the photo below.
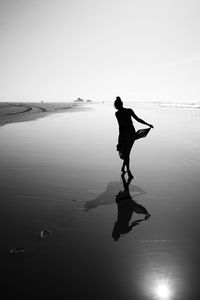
(18, 251)
(126, 206)
(45, 233)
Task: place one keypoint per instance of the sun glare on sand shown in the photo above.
(159, 287)
(162, 290)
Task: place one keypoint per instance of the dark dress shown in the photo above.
(126, 132)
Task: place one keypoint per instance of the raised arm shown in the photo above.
(139, 120)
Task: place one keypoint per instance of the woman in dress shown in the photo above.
(127, 133)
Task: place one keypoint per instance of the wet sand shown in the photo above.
(61, 173)
(12, 112)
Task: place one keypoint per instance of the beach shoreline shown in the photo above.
(13, 112)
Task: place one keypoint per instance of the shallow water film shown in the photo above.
(61, 175)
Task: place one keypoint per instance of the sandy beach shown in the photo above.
(61, 174)
(12, 112)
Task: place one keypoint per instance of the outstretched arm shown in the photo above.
(140, 120)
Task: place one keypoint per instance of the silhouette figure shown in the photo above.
(127, 133)
(126, 206)
(108, 196)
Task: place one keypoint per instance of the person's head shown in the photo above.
(118, 103)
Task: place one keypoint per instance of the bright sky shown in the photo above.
(58, 50)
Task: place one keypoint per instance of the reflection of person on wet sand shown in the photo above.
(127, 133)
(126, 206)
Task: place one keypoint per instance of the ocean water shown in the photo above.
(62, 173)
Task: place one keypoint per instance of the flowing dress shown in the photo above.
(127, 133)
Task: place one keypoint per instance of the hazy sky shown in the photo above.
(57, 50)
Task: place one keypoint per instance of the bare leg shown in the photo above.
(127, 163)
(123, 167)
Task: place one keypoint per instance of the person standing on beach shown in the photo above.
(127, 133)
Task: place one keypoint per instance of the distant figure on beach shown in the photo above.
(127, 133)
(126, 206)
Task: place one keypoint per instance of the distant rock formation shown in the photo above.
(79, 100)
(88, 100)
